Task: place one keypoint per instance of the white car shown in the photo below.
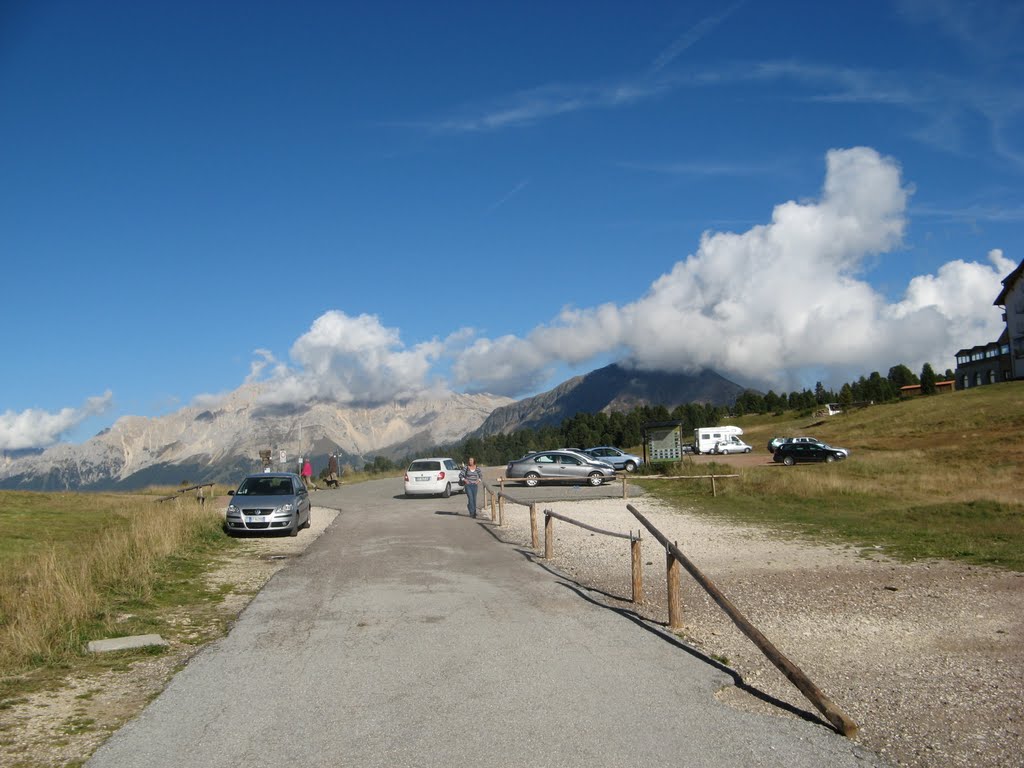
(432, 477)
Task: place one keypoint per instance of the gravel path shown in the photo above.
(925, 656)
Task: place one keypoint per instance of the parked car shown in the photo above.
(730, 444)
(791, 453)
(775, 442)
(269, 501)
(437, 476)
(615, 457)
(559, 466)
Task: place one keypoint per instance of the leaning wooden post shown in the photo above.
(624, 487)
(501, 514)
(549, 536)
(713, 491)
(675, 611)
(533, 524)
(636, 562)
(839, 719)
(492, 507)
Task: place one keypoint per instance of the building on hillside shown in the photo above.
(912, 390)
(1002, 359)
(984, 364)
(1011, 299)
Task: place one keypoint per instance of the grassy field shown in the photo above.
(933, 477)
(76, 567)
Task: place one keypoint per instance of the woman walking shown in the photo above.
(472, 477)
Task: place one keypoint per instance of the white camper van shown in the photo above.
(719, 440)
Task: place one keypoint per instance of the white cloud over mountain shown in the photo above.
(769, 304)
(35, 428)
(774, 305)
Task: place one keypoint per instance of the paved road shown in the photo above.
(408, 635)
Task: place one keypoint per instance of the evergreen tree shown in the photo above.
(928, 380)
(901, 376)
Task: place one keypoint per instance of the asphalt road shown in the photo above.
(408, 635)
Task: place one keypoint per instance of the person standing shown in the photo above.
(307, 475)
(472, 476)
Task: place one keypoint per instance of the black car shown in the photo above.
(790, 453)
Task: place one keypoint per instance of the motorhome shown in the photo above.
(718, 440)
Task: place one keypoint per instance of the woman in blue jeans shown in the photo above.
(472, 476)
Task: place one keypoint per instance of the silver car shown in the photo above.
(559, 466)
(269, 501)
(615, 457)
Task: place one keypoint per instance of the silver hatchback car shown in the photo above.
(559, 465)
(269, 501)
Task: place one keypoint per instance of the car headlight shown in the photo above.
(232, 508)
(285, 508)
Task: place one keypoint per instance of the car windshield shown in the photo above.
(265, 486)
(425, 466)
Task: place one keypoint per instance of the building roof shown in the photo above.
(1008, 283)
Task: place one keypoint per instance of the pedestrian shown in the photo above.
(307, 475)
(332, 471)
(471, 476)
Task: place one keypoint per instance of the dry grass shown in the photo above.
(55, 598)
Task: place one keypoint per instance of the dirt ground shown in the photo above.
(925, 657)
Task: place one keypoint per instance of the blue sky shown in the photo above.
(368, 201)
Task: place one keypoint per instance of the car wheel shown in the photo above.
(309, 519)
(747, 450)
(595, 478)
(294, 530)
(631, 466)
(447, 491)
(532, 478)
(829, 459)
(789, 461)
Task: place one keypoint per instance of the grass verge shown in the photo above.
(79, 567)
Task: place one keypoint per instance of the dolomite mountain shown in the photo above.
(217, 444)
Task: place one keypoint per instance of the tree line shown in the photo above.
(625, 429)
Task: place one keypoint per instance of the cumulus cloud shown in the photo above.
(34, 428)
(352, 360)
(774, 302)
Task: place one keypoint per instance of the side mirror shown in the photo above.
(231, 493)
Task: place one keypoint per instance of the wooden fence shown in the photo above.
(674, 561)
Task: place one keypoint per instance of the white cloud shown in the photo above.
(351, 360)
(766, 304)
(34, 428)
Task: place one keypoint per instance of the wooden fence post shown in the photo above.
(549, 536)
(501, 512)
(624, 487)
(492, 507)
(637, 568)
(533, 525)
(713, 491)
(675, 612)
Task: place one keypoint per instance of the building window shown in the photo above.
(967, 381)
(991, 376)
(977, 379)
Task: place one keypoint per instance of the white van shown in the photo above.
(719, 440)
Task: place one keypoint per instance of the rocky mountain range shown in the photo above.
(197, 445)
(612, 388)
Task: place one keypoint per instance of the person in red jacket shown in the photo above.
(307, 475)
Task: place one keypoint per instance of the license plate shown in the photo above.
(423, 479)
(251, 519)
